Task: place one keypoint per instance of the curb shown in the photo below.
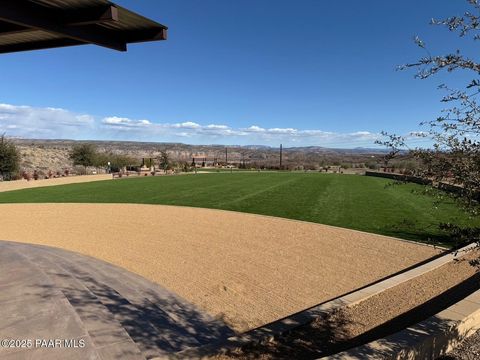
(428, 339)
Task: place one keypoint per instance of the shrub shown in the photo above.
(9, 158)
(26, 176)
(84, 155)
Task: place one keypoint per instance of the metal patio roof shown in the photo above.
(41, 24)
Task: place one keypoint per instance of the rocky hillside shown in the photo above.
(53, 155)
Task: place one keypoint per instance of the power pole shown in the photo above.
(281, 154)
(226, 156)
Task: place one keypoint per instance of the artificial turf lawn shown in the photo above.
(350, 201)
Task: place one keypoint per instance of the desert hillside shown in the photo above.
(53, 155)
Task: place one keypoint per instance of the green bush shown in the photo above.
(9, 159)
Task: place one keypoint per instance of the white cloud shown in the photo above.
(289, 131)
(186, 125)
(50, 122)
(28, 121)
(114, 120)
(219, 127)
(255, 128)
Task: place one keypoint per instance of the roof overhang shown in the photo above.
(41, 24)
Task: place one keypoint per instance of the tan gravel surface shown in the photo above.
(24, 184)
(383, 314)
(247, 268)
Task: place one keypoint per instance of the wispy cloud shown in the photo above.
(28, 121)
(34, 122)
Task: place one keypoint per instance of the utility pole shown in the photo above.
(281, 154)
(226, 156)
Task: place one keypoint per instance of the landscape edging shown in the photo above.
(428, 339)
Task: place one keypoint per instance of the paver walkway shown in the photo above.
(48, 293)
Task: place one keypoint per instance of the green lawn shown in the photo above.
(356, 202)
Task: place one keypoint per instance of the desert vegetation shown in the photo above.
(9, 159)
(55, 155)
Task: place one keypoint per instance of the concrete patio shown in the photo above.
(48, 293)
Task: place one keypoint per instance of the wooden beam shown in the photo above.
(29, 15)
(92, 15)
(131, 36)
(8, 28)
(151, 34)
(96, 15)
(39, 45)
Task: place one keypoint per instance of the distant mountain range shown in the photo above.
(307, 149)
(53, 154)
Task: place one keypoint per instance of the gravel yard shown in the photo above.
(24, 184)
(248, 269)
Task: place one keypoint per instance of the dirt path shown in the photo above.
(24, 184)
(249, 269)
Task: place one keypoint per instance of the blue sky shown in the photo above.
(302, 73)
